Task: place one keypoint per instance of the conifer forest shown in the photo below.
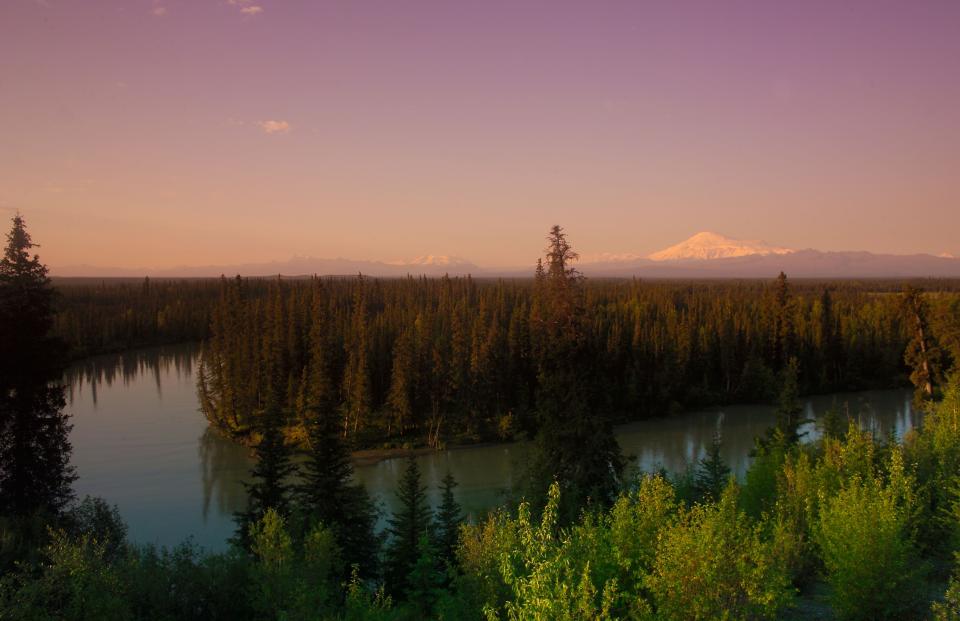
(304, 371)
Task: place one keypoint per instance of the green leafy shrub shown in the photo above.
(865, 544)
(711, 563)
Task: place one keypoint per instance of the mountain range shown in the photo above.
(704, 255)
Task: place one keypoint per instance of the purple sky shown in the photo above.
(157, 133)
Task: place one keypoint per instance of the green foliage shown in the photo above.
(949, 608)
(759, 493)
(712, 473)
(936, 453)
(270, 487)
(76, 581)
(863, 534)
(94, 518)
(794, 514)
(789, 410)
(549, 572)
(636, 521)
(185, 583)
(293, 583)
(712, 563)
(425, 583)
(412, 520)
(362, 605)
(327, 496)
(448, 520)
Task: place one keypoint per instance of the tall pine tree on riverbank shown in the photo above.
(575, 443)
(35, 471)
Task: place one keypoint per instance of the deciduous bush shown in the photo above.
(712, 563)
(869, 557)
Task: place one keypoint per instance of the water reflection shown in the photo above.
(131, 366)
(223, 468)
(141, 443)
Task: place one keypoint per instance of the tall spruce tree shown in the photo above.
(412, 520)
(575, 443)
(448, 520)
(784, 329)
(270, 487)
(789, 410)
(35, 471)
(326, 494)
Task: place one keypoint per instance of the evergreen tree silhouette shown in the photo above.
(35, 470)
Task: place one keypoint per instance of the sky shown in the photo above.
(157, 133)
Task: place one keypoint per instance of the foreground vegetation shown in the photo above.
(875, 521)
(872, 523)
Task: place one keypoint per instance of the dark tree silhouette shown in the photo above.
(411, 521)
(35, 471)
(449, 519)
(270, 487)
(575, 443)
(327, 494)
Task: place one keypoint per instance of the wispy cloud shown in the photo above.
(275, 127)
(159, 11)
(247, 7)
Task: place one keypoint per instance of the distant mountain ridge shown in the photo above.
(704, 255)
(429, 265)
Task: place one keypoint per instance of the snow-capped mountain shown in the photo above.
(707, 245)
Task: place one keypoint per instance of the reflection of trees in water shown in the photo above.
(126, 367)
(676, 443)
(223, 467)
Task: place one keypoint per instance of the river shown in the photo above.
(140, 442)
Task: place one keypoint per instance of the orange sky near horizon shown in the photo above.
(152, 134)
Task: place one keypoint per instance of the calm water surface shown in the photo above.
(140, 442)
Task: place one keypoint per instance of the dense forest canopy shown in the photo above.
(455, 357)
(858, 527)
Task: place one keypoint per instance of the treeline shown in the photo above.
(459, 358)
(97, 316)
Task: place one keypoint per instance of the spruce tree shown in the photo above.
(411, 521)
(326, 494)
(789, 410)
(712, 472)
(575, 443)
(270, 486)
(425, 583)
(402, 375)
(449, 519)
(784, 330)
(35, 470)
